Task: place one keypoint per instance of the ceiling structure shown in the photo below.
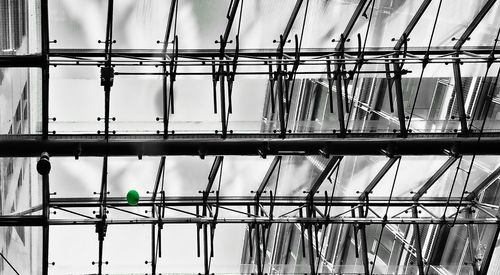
(290, 136)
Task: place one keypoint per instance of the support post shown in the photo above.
(418, 242)
(45, 228)
(364, 247)
(459, 95)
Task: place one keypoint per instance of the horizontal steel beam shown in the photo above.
(22, 61)
(341, 201)
(155, 145)
(267, 220)
(148, 53)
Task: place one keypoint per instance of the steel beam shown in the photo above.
(264, 53)
(479, 17)
(378, 177)
(485, 183)
(332, 164)
(289, 201)
(434, 178)
(152, 146)
(268, 221)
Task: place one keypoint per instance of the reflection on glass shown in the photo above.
(20, 28)
(79, 24)
(22, 247)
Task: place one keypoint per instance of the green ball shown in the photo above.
(132, 197)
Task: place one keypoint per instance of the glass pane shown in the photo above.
(133, 251)
(326, 20)
(388, 22)
(228, 261)
(200, 23)
(193, 103)
(131, 173)
(263, 21)
(310, 106)
(20, 27)
(413, 171)
(81, 256)
(186, 175)
(76, 100)
(448, 24)
(182, 259)
(76, 178)
(370, 96)
(251, 105)
(20, 101)
(139, 24)
(296, 175)
(241, 175)
(20, 186)
(79, 24)
(354, 175)
(136, 101)
(443, 186)
(485, 33)
(22, 247)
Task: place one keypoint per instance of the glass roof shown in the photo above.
(222, 116)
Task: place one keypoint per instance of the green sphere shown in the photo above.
(132, 197)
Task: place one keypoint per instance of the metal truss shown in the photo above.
(188, 205)
(262, 209)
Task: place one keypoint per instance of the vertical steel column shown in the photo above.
(309, 211)
(45, 131)
(340, 105)
(459, 95)
(364, 248)
(258, 253)
(418, 242)
(45, 67)
(399, 98)
(153, 244)
(45, 229)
